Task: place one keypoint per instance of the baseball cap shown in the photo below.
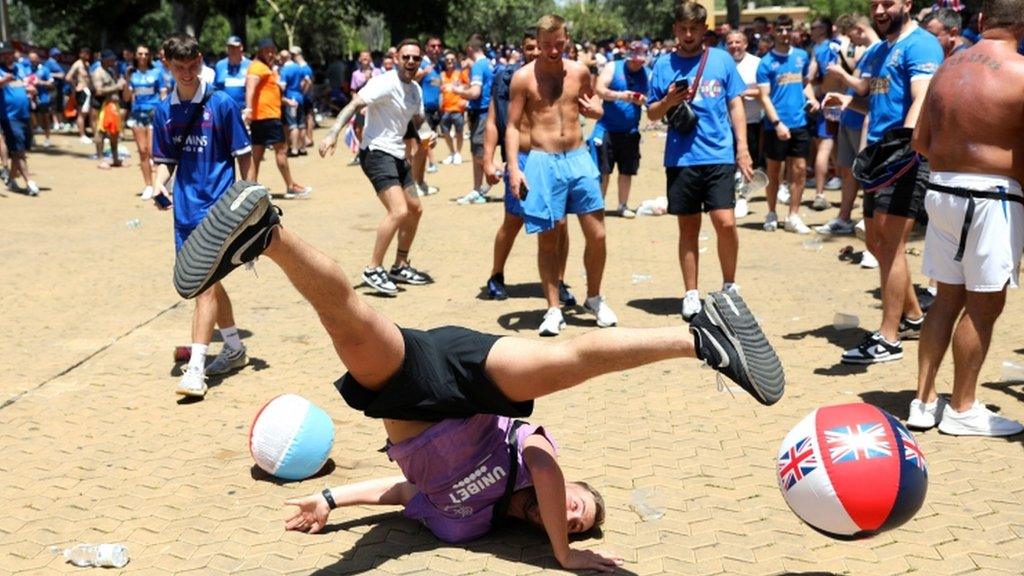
(55, 52)
(107, 55)
(234, 41)
(266, 43)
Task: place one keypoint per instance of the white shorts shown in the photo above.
(995, 239)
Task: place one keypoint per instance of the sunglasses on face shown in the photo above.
(411, 58)
(784, 29)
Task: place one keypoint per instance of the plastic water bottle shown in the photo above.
(641, 278)
(133, 223)
(1013, 371)
(843, 321)
(102, 555)
(813, 245)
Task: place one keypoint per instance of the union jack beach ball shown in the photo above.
(291, 437)
(852, 470)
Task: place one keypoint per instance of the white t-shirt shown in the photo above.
(391, 104)
(208, 74)
(748, 72)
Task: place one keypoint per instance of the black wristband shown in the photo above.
(330, 499)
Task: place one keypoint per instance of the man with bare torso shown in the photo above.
(975, 215)
(559, 175)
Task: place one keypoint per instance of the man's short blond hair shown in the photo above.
(551, 23)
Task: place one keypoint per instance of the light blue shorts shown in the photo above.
(560, 183)
(512, 204)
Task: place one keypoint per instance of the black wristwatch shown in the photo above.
(330, 499)
(776, 123)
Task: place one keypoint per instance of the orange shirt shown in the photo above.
(267, 99)
(450, 101)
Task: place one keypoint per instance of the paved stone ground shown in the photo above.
(98, 448)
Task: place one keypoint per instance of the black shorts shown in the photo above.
(384, 170)
(798, 145)
(620, 149)
(266, 132)
(905, 199)
(442, 376)
(693, 189)
(433, 118)
(42, 108)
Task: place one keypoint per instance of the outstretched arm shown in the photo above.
(549, 484)
(331, 139)
(490, 143)
(310, 513)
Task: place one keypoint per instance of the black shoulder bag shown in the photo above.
(682, 118)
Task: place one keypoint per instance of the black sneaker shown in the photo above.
(235, 231)
(496, 287)
(728, 339)
(873, 350)
(910, 329)
(564, 296)
(409, 275)
(378, 279)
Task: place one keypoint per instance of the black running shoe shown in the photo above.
(406, 274)
(875, 349)
(496, 287)
(910, 329)
(564, 296)
(728, 339)
(235, 231)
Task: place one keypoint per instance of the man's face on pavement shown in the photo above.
(531, 49)
(552, 44)
(690, 34)
(409, 58)
(736, 44)
(889, 15)
(186, 72)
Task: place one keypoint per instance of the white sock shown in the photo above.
(230, 337)
(198, 359)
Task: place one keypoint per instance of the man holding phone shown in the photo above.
(700, 164)
(200, 132)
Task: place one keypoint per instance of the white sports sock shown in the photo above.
(230, 337)
(198, 359)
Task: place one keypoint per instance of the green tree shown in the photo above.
(495, 20)
(646, 17)
(593, 19)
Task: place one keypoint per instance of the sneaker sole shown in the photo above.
(598, 320)
(758, 360)
(980, 433)
(548, 334)
(867, 361)
(232, 367)
(401, 280)
(200, 257)
(919, 427)
(192, 393)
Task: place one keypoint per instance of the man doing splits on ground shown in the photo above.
(449, 389)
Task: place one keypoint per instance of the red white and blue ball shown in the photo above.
(291, 437)
(852, 470)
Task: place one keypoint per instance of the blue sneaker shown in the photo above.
(496, 287)
(564, 296)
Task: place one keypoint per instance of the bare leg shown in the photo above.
(478, 172)
(225, 311)
(849, 194)
(281, 156)
(143, 140)
(797, 172)
(935, 336)
(821, 164)
(115, 157)
(689, 258)
(548, 245)
(205, 315)
(504, 239)
(724, 222)
(395, 201)
(370, 345)
(771, 193)
(407, 228)
(970, 344)
(459, 131)
(892, 262)
(596, 251)
(605, 179)
(625, 185)
(563, 252)
(254, 166)
(528, 369)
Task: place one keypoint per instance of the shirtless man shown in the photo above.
(975, 215)
(559, 175)
(80, 80)
(445, 395)
(494, 135)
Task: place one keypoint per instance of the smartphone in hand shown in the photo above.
(162, 200)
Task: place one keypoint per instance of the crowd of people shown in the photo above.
(870, 102)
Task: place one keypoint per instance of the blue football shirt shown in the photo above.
(619, 115)
(291, 81)
(15, 101)
(890, 69)
(205, 156)
(712, 141)
(145, 88)
(43, 73)
(784, 74)
(431, 85)
(230, 78)
(481, 74)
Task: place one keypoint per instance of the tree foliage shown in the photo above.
(495, 20)
(593, 20)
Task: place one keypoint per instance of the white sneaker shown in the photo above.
(553, 323)
(771, 222)
(821, 203)
(85, 140)
(426, 190)
(606, 318)
(835, 226)
(977, 421)
(868, 260)
(834, 183)
(741, 209)
(474, 197)
(784, 196)
(295, 194)
(795, 224)
(47, 143)
(147, 193)
(457, 159)
(32, 187)
(449, 160)
(192, 383)
(925, 415)
(691, 304)
(431, 168)
(731, 287)
(227, 360)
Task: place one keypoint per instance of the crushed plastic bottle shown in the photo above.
(640, 503)
(641, 278)
(843, 321)
(102, 555)
(1013, 371)
(133, 223)
(813, 244)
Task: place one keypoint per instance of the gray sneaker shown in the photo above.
(229, 359)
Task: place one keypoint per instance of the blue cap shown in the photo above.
(266, 43)
(107, 54)
(234, 41)
(55, 52)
